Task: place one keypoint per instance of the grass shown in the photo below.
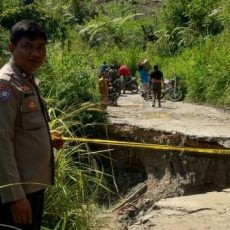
(71, 203)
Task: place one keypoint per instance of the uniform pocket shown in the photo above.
(31, 114)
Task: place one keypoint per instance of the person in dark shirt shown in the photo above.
(112, 74)
(156, 82)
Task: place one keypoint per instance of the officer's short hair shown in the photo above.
(27, 28)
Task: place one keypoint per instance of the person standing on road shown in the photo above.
(156, 82)
(104, 90)
(26, 155)
(144, 75)
(125, 74)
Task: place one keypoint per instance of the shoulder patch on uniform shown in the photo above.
(5, 92)
(37, 81)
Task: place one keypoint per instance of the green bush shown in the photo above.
(68, 81)
(204, 70)
(67, 78)
(110, 32)
(55, 28)
(203, 16)
(186, 22)
(4, 39)
(83, 10)
(71, 202)
(224, 13)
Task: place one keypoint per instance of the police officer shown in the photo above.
(26, 156)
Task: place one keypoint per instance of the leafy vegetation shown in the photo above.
(186, 22)
(4, 35)
(198, 49)
(71, 203)
(55, 29)
(188, 38)
(108, 32)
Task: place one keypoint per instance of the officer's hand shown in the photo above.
(21, 211)
(57, 140)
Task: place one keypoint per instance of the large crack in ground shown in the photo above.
(143, 177)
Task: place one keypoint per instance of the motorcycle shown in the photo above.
(172, 90)
(113, 96)
(132, 85)
(117, 85)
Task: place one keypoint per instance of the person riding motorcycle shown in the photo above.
(125, 74)
(112, 73)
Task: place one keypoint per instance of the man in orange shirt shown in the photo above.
(103, 89)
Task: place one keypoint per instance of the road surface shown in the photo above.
(185, 118)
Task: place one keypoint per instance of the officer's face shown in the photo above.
(28, 54)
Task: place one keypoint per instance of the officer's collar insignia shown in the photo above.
(25, 88)
(37, 81)
(5, 77)
(32, 105)
(5, 93)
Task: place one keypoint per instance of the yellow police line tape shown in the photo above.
(149, 146)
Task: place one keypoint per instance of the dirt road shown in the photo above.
(188, 119)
